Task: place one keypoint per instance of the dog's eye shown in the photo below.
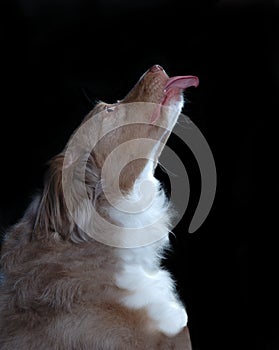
(109, 108)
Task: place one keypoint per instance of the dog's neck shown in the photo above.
(145, 209)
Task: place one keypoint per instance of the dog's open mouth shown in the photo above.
(176, 85)
(182, 82)
(155, 86)
(179, 84)
(172, 92)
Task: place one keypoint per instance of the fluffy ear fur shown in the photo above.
(53, 216)
(52, 213)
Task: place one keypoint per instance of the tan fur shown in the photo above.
(58, 290)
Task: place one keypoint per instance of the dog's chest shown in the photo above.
(150, 287)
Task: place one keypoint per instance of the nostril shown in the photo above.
(155, 68)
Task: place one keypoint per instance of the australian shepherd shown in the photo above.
(81, 270)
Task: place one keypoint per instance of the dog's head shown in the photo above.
(148, 113)
(115, 146)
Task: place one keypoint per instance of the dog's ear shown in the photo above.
(52, 217)
(59, 201)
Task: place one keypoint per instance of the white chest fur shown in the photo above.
(151, 288)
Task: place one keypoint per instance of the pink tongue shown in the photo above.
(182, 82)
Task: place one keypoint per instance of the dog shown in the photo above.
(81, 270)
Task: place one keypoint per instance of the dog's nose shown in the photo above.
(155, 68)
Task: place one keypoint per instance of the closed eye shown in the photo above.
(109, 108)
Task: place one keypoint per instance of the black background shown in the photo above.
(58, 57)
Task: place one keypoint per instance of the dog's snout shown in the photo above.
(155, 68)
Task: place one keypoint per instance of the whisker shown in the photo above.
(87, 97)
(165, 170)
